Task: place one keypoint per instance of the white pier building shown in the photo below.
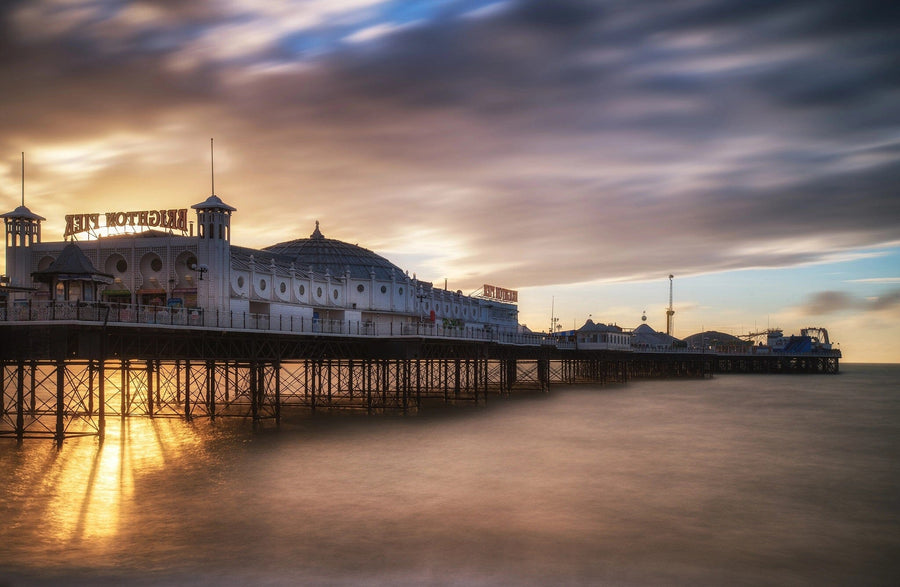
(152, 263)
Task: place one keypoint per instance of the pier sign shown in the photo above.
(115, 221)
(500, 294)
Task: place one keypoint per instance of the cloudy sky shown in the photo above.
(577, 151)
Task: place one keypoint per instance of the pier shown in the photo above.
(65, 370)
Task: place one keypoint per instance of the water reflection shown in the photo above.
(719, 482)
(84, 493)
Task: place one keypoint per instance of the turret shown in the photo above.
(213, 253)
(23, 229)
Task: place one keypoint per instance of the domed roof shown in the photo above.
(335, 256)
(22, 212)
(213, 202)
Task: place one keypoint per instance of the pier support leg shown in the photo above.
(150, 388)
(277, 367)
(211, 389)
(20, 402)
(187, 390)
(101, 400)
(60, 403)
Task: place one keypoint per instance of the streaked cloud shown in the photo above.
(876, 280)
(830, 302)
(538, 143)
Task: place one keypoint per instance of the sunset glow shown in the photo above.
(578, 152)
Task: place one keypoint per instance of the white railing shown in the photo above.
(42, 311)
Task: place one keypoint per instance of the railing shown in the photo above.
(42, 311)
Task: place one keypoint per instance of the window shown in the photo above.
(240, 281)
(262, 285)
(334, 294)
(301, 290)
(401, 291)
(318, 292)
(360, 288)
(383, 289)
(121, 266)
(282, 287)
(156, 265)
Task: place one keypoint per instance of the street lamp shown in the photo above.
(420, 295)
(201, 269)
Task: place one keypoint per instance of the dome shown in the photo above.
(336, 257)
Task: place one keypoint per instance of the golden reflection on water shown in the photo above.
(88, 488)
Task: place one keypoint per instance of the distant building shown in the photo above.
(157, 260)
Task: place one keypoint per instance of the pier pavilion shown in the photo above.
(152, 264)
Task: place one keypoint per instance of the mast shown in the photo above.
(670, 312)
(212, 168)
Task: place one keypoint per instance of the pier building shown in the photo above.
(154, 264)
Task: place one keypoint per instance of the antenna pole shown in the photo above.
(212, 168)
(23, 178)
(670, 312)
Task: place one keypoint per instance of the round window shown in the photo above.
(360, 288)
(240, 281)
(301, 290)
(383, 289)
(121, 266)
(319, 292)
(282, 287)
(262, 285)
(191, 262)
(156, 265)
(334, 294)
(401, 291)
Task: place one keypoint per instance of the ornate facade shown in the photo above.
(314, 278)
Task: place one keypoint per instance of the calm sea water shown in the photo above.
(738, 480)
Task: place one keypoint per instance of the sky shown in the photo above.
(576, 151)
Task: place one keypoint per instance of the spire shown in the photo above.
(316, 233)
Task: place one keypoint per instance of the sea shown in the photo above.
(733, 480)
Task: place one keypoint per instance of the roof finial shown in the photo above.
(23, 178)
(316, 233)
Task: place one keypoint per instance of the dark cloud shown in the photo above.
(831, 302)
(563, 141)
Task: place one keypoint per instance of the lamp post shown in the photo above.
(420, 295)
(201, 269)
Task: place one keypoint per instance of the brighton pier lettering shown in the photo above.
(174, 219)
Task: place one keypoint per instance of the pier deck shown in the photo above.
(63, 377)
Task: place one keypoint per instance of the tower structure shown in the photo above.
(23, 229)
(213, 252)
(670, 311)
